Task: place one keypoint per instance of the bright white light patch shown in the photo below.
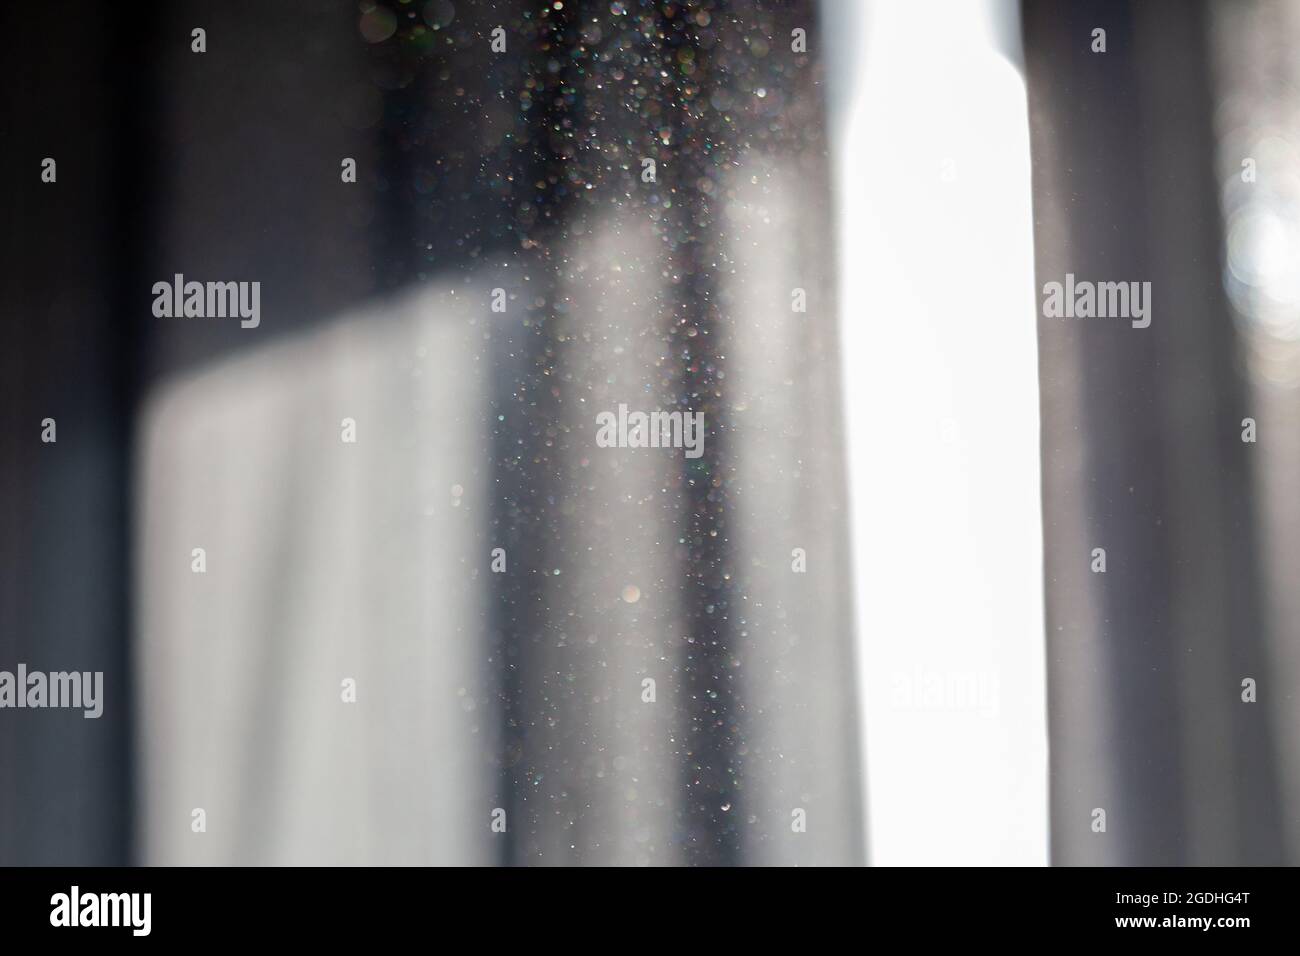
(940, 353)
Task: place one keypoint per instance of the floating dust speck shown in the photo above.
(378, 24)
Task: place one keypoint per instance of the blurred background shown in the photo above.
(946, 682)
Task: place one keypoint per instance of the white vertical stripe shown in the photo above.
(938, 318)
